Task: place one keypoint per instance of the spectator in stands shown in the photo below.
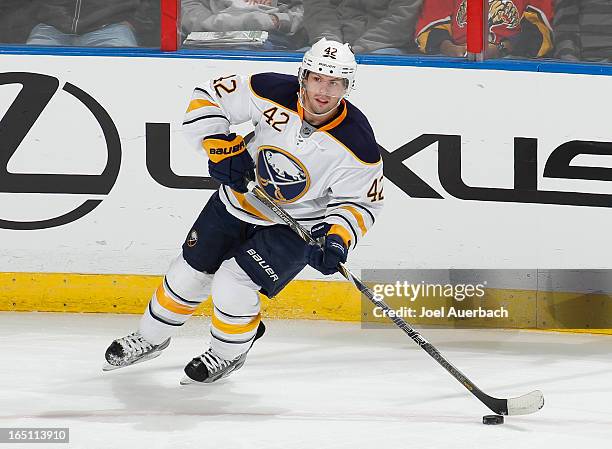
(370, 26)
(15, 21)
(583, 30)
(147, 23)
(85, 23)
(281, 18)
(516, 28)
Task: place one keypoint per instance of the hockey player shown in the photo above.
(315, 153)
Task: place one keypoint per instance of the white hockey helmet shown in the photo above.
(330, 58)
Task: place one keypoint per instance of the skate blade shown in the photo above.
(108, 367)
(189, 381)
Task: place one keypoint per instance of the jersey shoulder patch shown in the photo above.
(277, 87)
(356, 134)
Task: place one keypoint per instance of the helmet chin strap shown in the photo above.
(301, 100)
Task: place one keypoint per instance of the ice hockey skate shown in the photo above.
(130, 350)
(210, 367)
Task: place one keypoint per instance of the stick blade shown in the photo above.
(526, 404)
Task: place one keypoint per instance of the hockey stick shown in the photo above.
(522, 405)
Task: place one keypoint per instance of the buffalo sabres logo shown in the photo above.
(192, 239)
(281, 174)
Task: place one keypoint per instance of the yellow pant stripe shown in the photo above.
(199, 103)
(170, 304)
(236, 328)
(358, 217)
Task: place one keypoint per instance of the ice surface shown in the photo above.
(306, 384)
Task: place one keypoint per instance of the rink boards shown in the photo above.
(484, 169)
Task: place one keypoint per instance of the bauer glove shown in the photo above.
(333, 249)
(228, 161)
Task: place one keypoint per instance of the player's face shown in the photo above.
(322, 92)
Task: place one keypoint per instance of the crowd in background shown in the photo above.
(571, 30)
(83, 23)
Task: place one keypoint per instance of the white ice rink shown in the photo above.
(305, 385)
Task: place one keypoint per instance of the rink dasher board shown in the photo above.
(308, 299)
(139, 224)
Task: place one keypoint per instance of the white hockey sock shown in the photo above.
(175, 300)
(236, 313)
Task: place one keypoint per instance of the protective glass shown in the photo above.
(56, 23)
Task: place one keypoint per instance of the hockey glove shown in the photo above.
(228, 161)
(333, 249)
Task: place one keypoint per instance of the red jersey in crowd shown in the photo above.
(526, 23)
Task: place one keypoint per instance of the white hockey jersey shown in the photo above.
(331, 174)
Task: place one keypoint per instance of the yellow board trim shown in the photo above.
(119, 293)
(581, 331)
(301, 299)
(199, 103)
(234, 329)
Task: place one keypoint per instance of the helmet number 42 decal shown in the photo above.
(330, 52)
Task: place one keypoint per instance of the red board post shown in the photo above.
(169, 25)
(477, 18)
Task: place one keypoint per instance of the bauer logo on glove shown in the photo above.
(219, 147)
(228, 161)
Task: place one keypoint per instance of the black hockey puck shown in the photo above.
(493, 419)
